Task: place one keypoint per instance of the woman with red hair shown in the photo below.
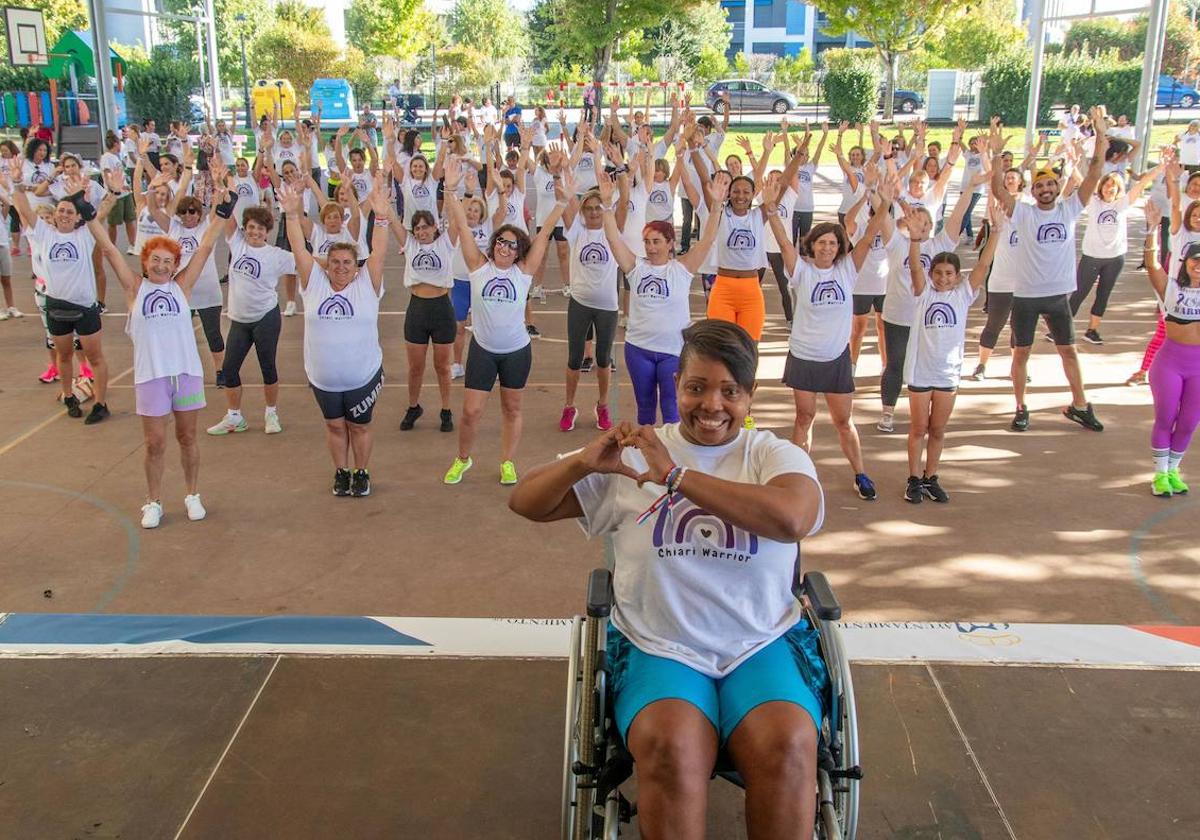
(659, 290)
(168, 378)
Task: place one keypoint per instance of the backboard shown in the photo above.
(26, 37)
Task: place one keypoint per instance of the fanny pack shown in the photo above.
(65, 311)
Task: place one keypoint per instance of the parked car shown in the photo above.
(1173, 93)
(903, 101)
(748, 95)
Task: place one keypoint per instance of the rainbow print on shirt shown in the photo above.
(1052, 232)
(653, 287)
(940, 314)
(686, 529)
(335, 308)
(499, 290)
(158, 303)
(827, 293)
(593, 253)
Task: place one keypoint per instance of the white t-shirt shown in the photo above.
(418, 195)
(249, 195)
(1179, 243)
(1006, 262)
(660, 202)
(824, 309)
(935, 342)
(225, 149)
(659, 309)
(635, 220)
(805, 175)
(33, 174)
(593, 267)
(585, 173)
(341, 332)
(741, 242)
(873, 276)
(787, 202)
(160, 325)
(482, 234)
(972, 166)
(1181, 302)
(286, 154)
(146, 228)
(514, 209)
(110, 161)
(254, 278)
(539, 133)
(851, 194)
(1047, 247)
(692, 587)
(1105, 235)
(321, 240)
(1189, 149)
(709, 266)
(67, 258)
(432, 264)
(364, 181)
(498, 307)
(899, 306)
(543, 188)
(153, 141)
(206, 293)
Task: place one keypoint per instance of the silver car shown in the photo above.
(748, 95)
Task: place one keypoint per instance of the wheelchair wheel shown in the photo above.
(839, 774)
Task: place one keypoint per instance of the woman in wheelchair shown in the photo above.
(708, 646)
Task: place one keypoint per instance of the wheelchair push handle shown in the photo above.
(599, 593)
(816, 588)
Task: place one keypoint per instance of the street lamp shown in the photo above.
(245, 73)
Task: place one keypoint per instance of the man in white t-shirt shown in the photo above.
(1188, 145)
(1045, 232)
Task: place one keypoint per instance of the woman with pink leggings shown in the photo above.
(1175, 372)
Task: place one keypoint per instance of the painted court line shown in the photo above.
(225, 751)
(909, 642)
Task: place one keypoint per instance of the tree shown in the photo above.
(895, 27)
(158, 89)
(355, 68)
(291, 53)
(400, 29)
(547, 44)
(679, 43)
(257, 19)
(304, 17)
(493, 33)
(971, 38)
(596, 29)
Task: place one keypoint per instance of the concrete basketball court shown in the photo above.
(1055, 526)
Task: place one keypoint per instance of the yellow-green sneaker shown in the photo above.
(508, 472)
(1176, 480)
(748, 423)
(1160, 485)
(455, 474)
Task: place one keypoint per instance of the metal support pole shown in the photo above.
(214, 70)
(1156, 32)
(200, 57)
(1038, 37)
(106, 104)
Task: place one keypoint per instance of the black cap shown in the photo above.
(1192, 252)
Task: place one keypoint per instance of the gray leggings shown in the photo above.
(999, 305)
(895, 338)
(263, 336)
(580, 320)
(1106, 269)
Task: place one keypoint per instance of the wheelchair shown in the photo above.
(596, 762)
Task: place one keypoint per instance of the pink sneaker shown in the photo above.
(603, 421)
(85, 372)
(567, 422)
(51, 375)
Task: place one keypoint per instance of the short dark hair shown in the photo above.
(261, 215)
(523, 241)
(821, 229)
(423, 216)
(724, 342)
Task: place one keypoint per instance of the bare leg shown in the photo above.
(775, 749)
(918, 409)
(64, 352)
(290, 285)
(154, 430)
(271, 394)
(510, 422)
(362, 441)
(94, 353)
(939, 417)
(189, 448)
(441, 366)
(233, 398)
(840, 411)
(1070, 363)
(337, 440)
(675, 748)
(1020, 364)
(6, 283)
(603, 378)
(858, 329)
(572, 386)
(468, 425)
(416, 370)
(806, 412)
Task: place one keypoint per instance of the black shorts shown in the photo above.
(281, 237)
(64, 317)
(832, 377)
(1057, 311)
(430, 319)
(863, 304)
(556, 235)
(485, 367)
(354, 406)
(925, 389)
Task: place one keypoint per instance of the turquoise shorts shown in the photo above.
(789, 669)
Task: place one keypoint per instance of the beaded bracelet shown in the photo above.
(671, 481)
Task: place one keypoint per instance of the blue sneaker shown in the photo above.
(865, 487)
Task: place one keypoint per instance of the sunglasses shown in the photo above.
(510, 244)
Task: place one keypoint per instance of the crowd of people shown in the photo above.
(313, 213)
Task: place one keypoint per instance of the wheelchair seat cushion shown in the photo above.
(789, 669)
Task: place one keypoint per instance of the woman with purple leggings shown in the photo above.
(659, 287)
(1175, 372)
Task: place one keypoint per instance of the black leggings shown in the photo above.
(781, 280)
(801, 224)
(210, 320)
(580, 319)
(999, 305)
(895, 338)
(264, 335)
(1107, 269)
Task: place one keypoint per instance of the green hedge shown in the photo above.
(158, 89)
(851, 84)
(1067, 79)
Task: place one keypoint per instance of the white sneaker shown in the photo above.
(13, 312)
(151, 514)
(566, 291)
(4, 316)
(623, 321)
(885, 424)
(195, 510)
(131, 251)
(290, 309)
(538, 293)
(228, 426)
(457, 371)
(271, 421)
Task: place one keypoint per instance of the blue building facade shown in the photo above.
(779, 27)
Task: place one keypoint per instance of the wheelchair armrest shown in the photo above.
(599, 593)
(820, 595)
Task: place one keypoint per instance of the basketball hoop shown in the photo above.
(27, 45)
(40, 59)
